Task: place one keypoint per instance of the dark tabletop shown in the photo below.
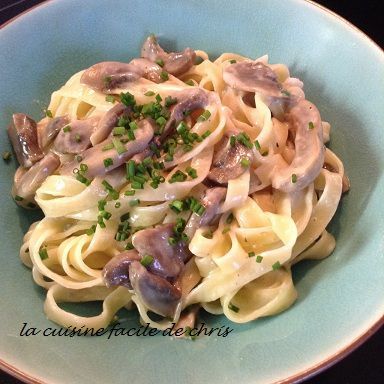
(365, 365)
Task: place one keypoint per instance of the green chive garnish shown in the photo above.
(276, 266)
(229, 218)
(257, 145)
(67, 128)
(107, 147)
(259, 259)
(245, 162)
(204, 116)
(164, 75)
(190, 82)
(108, 162)
(77, 138)
(233, 61)
(294, 178)
(110, 99)
(251, 254)
(48, 113)
(119, 146)
(311, 125)
(129, 193)
(118, 131)
(43, 254)
(146, 260)
(160, 62)
(233, 307)
(134, 202)
(149, 93)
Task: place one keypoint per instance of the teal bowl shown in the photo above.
(341, 298)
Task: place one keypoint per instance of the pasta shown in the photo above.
(173, 186)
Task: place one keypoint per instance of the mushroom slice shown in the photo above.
(226, 162)
(158, 294)
(23, 135)
(188, 100)
(27, 184)
(75, 137)
(47, 129)
(211, 202)
(108, 121)
(176, 63)
(168, 259)
(116, 271)
(108, 76)
(94, 157)
(252, 76)
(309, 149)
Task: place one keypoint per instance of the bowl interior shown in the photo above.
(339, 298)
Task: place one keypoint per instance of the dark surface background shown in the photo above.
(366, 364)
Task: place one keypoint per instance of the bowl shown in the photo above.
(340, 298)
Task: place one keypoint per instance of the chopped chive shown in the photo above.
(129, 246)
(160, 62)
(127, 99)
(19, 198)
(147, 260)
(190, 82)
(204, 116)
(169, 100)
(251, 254)
(233, 307)
(79, 158)
(232, 61)
(133, 125)
(105, 215)
(77, 138)
(232, 140)
(67, 128)
(130, 167)
(257, 145)
(101, 204)
(199, 210)
(134, 202)
(161, 121)
(154, 149)
(206, 134)
(118, 131)
(43, 254)
(164, 75)
(177, 206)
(124, 217)
(82, 179)
(294, 178)
(158, 98)
(83, 167)
(107, 147)
(259, 259)
(225, 230)
(192, 172)
(101, 222)
(182, 128)
(48, 113)
(110, 99)
(244, 139)
(311, 125)
(119, 146)
(178, 176)
(131, 135)
(7, 156)
(107, 80)
(108, 187)
(229, 218)
(108, 162)
(91, 231)
(149, 93)
(129, 193)
(245, 162)
(276, 266)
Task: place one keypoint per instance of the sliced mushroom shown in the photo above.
(176, 63)
(94, 157)
(252, 76)
(188, 100)
(211, 202)
(108, 76)
(108, 122)
(226, 162)
(27, 183)
(309, 149)
(168, 259)
(75, 137)
(158, 294)
(47, 129)
(116, 271)
(23, 135)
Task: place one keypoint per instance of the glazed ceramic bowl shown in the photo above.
(340, 299)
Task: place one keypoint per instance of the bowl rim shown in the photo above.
(304, 374)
